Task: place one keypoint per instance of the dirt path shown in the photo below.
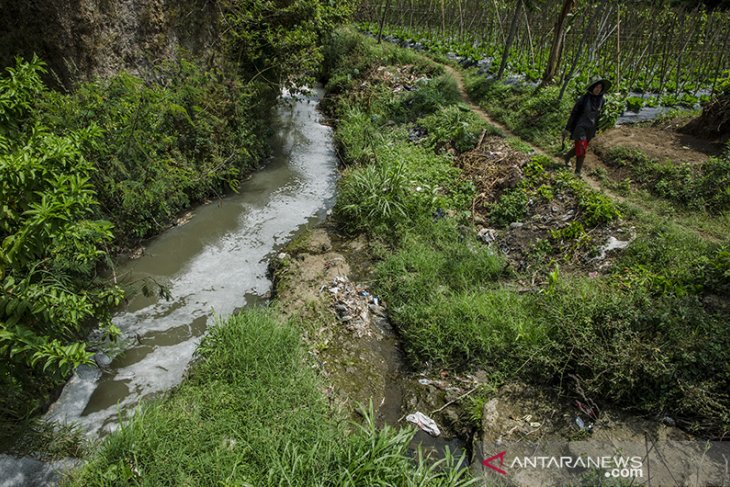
(592, 160)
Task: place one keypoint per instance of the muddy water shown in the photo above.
(213, 265)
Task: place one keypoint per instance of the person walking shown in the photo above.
(583, 122)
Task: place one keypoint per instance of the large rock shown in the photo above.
(79, 39)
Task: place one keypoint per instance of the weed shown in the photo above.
(703, 186)
(454, 126)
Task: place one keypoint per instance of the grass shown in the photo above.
(252, 412)
(455, 127)
(648, 334)
(704, 186)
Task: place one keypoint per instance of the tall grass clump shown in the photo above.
(252, 413)
(404, 184)
(454, 126)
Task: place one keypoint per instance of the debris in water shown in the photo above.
(424, 422)
(354, 306)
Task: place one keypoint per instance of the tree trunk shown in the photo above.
(579, 51)
(382, 21)
(618, 45)
(510, 38)
(556, 49)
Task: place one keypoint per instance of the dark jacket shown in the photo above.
(584, 118)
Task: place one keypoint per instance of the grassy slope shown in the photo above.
(648, 334)
(252, 412)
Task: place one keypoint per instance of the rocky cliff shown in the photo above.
(80, 39)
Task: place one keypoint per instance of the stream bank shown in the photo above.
(321, 281)
(490, 255)
(213, 264)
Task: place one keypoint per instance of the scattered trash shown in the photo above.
(581, 424)
(586, 409)
(612, 244)
(282, 256)
(514, 225)
(535, 424)
(184, 219)
(669, 421)
(354, 306)
(424, 422)
(137, 253)
(417, 134)
(487, 235)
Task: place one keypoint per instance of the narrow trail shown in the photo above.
(591, 160)
(485, 116)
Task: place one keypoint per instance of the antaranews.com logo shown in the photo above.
(625, 467)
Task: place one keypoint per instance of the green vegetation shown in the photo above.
(252, 413)
(667, 52)
(535, 115)
(646, 334)
(704, 186)
(541, 184)
(456, 127)
(52, 238)
(95, 170)
(163, 147)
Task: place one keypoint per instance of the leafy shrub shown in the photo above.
(51, 241)
(637, 350)
(511, 207)
(163, 147)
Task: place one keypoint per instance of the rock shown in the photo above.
(669, 421)
(102, 360)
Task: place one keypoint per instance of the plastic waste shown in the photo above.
(424, 422)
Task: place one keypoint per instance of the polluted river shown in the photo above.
(213, 263)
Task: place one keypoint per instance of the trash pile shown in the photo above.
(493, 166)
(356, 308)
(399, 78)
